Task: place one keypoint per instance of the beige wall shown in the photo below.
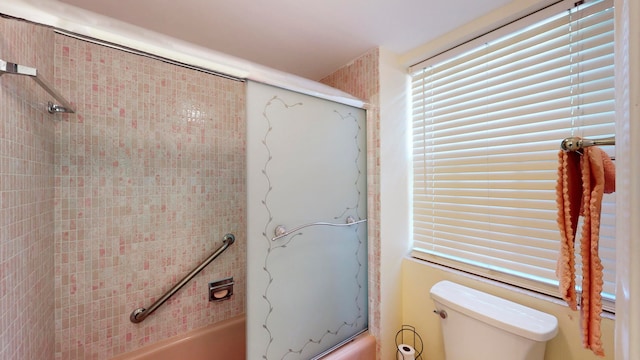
(395, 186)
(418, 277)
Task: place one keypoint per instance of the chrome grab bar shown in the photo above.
(280, 231)
(139, 314)
(11, 68)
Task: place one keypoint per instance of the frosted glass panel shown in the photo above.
(306, 164)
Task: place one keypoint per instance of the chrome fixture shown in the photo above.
(441, 313)
(139, 314)
(576, 143)
(15, 69)
(281, 231)
(221, 290)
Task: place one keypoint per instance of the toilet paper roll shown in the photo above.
(406, 352)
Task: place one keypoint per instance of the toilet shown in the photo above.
(479, 326)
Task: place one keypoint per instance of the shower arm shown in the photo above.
(139, 314)
(15, 69)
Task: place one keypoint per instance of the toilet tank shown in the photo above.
(481, 326)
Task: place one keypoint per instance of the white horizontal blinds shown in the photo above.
(487, 126)
(593, 78)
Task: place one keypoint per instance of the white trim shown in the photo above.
(501, 31)
(476, 28)
(85, 23)
(627, 54)
(494, 34)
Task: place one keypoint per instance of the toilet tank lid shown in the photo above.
(498, 312)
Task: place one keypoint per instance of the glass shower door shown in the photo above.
(307, 231)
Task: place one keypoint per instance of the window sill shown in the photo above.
(508, 287)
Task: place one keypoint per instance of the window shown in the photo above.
(488, 119)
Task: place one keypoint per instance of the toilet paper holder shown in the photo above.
(408, 337)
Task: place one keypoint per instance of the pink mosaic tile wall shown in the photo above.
(149, 175)
(26, 197)
(116, 203)
(361, 79)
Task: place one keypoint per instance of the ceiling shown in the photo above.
(302, 37)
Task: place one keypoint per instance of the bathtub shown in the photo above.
(226, 340)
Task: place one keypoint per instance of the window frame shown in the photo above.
(538, 285)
